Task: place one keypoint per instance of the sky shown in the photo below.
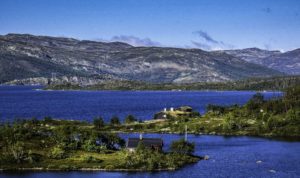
(205, 24)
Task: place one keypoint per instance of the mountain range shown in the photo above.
(33, 59)
(288, 62)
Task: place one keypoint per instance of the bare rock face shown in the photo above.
(288, 62)
(24, 56)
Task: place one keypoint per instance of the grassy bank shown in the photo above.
(87, 161)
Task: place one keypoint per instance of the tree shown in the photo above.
(292, 97)
(64, 135)
(112, 141)
(182, 147)
(115, 121)
(215, 109)
(90, 145)
(130, 119)
(255, 102)
(48, 119)
(140, 147)
(18, 151)
(98, 123)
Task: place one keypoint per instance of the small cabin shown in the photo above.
(152, 143)
(181, 111)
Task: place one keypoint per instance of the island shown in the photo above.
(51, 144)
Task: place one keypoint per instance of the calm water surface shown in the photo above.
(229, 156)
(22, 101)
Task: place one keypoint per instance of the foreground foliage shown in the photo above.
(148, 159)
(72, 145)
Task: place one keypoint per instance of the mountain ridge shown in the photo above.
(287, 62)
(27, 56)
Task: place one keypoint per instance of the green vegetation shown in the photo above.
(273, 83)
(259, 117)
(183, 147)
(115, 121)
(279, 117)
(98, 123)
(148, 159)
(130, 119)
(73, 145)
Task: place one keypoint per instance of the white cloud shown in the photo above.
(207, 42)
(132, 40)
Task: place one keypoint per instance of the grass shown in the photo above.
(41, 148)
(76, 160)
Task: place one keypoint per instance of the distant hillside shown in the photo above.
(27, 56)
(259, 84)
(253, 55)
(288, 62)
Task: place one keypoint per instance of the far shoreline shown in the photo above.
(43, 88)
(258, 84)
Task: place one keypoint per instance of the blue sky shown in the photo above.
(206, 24)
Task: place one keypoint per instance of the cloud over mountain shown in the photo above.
(207, 42)
(206, 37)
(135, 41)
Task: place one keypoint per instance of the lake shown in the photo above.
(26, 102)
(240, 156)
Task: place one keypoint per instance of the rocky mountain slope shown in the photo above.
(253, 55)
(24, 56)
(288, 62)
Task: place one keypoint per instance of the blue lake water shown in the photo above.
(229, 156)
(24, 102)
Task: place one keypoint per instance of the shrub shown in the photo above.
(18, 151)
(98, 123)
(130, 119)
(57, 153)
(91, 159)
(255, 102)
(90, 145)
(182, 147)
(109, 167)
(64, 167)
(115, 121)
